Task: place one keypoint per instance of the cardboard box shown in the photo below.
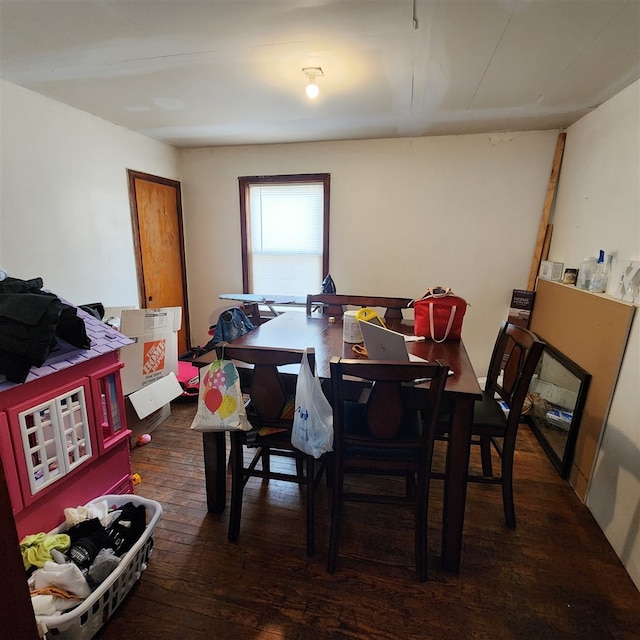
(112, 315)
(149, 407)
(149, 381)
(140, 426)
(154, 353)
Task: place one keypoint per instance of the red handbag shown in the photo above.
(438, 314)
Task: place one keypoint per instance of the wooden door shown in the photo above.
(156, 212)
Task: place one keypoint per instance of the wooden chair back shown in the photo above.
(388, 395)
(515, 357)
(335, 304)
(269, 388)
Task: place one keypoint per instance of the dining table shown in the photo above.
(324, 334)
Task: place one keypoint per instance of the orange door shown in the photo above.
(158, 235)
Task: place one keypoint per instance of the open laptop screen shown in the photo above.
(385, 344)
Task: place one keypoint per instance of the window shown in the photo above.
(56, 438)
(285, 233)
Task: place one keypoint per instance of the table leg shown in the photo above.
(214, 446)
(455, 483)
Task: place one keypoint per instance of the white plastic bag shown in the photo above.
(313, 419)
(220, 402)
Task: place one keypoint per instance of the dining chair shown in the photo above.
(252, 311)
(335, 304)
(384, 425)
(497, 416)
(270, 410)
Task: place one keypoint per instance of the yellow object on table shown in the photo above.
(369, 315)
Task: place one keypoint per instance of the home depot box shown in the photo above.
(155, 351)
(149, 383)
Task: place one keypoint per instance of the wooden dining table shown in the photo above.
(294, 330)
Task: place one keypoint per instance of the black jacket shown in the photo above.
(31, 322)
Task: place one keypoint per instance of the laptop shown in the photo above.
(384, 344)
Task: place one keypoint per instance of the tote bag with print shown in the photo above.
(220, 402)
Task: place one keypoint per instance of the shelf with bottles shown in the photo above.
(607, 296)
(594, 273)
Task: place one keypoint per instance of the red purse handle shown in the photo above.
(433, 292)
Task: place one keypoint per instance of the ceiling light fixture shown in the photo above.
(312, 88)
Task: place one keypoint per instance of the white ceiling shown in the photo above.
(199, 73)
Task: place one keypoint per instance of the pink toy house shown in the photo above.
(63, 432)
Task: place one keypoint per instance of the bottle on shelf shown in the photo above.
(600, 277)
(585, 273)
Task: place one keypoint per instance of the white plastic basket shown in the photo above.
(85, 620)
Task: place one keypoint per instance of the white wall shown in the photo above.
(598, 207)
(64, 209)
(406, 214)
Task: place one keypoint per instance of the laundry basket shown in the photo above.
(85, 620)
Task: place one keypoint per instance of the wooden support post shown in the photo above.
(541, 250)
(547, 241)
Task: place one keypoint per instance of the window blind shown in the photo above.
(286, 237)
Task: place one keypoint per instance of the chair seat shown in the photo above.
(397, 453)
(271, 433)
(488, 416)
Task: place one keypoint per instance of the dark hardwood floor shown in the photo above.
(554, 577)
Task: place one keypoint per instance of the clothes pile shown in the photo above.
(64, 568)
(32, 323)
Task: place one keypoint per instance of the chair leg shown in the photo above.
(421, 525)
(237, 485)
(485, 455)
(507, 492)
(329, 462)
(266, 460)
(410, 486)
(334, 532)
(311, 481)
